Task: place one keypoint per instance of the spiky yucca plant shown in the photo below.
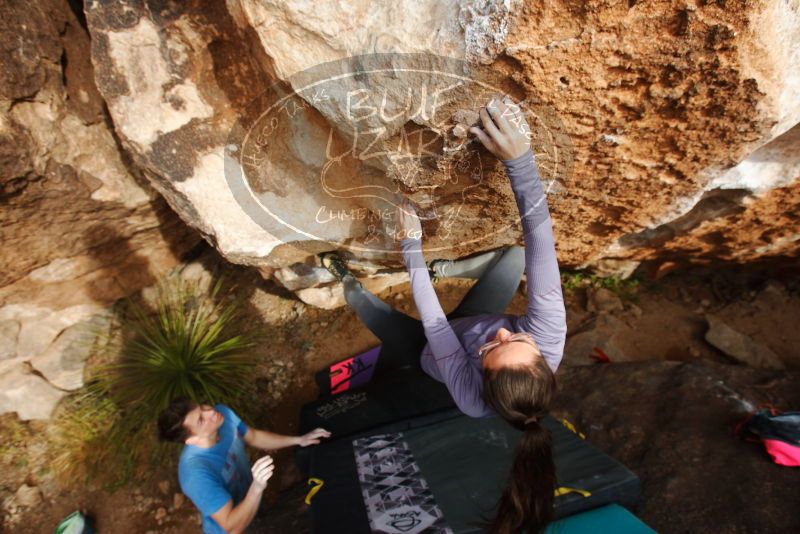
(186, 348)
(188, 345)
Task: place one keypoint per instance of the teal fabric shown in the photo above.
(74, 523)
(610, 519)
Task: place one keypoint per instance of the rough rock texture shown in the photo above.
(739, 346)
(672, 124)
(28, 496)
(663, 101)
(605, 332)
(755, 321)
(25, 393)
(78, 228)
(667, 134)
(603, 300)
(671, 423)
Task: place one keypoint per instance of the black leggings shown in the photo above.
(498, 273)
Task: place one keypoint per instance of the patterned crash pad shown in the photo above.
(447, 477)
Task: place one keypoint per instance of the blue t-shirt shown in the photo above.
(212, 477)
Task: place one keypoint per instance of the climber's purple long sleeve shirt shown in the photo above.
(451, 354)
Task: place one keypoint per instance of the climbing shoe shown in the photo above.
(335, 265)
(437, 269)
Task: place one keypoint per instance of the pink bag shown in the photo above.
(779, 432)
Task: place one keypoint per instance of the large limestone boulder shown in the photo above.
(666, 132)
(79, 227)
(25, 393)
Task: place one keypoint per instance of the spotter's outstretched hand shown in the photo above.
(313, 437)
(505, 132)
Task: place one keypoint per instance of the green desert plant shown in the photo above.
(188, 347)
(15, 434)
(188, 344)
(573, 280)
(626, 288)
(82, 424)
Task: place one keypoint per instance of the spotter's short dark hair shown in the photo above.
(171, 419)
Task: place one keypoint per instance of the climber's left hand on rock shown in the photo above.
(505, 132)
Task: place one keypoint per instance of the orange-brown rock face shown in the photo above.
(78, 229)
(279, 131)
(667, 133)
(660, 101)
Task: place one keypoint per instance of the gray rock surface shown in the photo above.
(672, 424)
(740, 346)
(29, 395)
(28, 496)
(604, 332)
(79, 226)
(602, 300)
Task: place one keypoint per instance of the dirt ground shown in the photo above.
(663, 323)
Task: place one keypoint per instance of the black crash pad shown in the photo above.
(400, 401)
(448, 474)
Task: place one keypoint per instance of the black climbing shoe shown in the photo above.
(435, 274)
(335, 265)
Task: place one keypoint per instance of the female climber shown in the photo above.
(491, 362)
